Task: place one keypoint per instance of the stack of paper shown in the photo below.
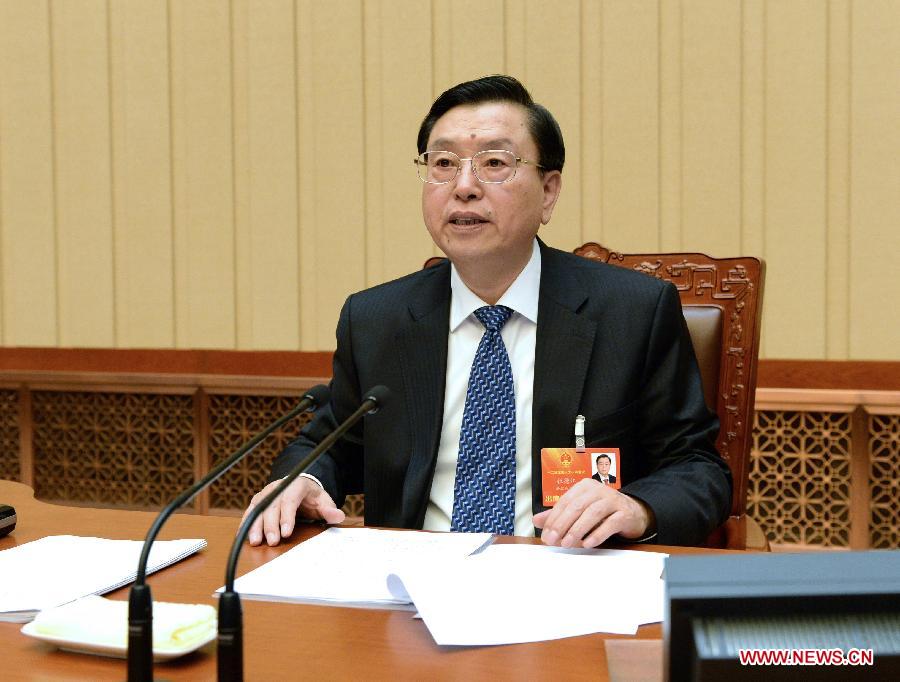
(500, 595)
(528, 593)
(60, 568)
(349, 566)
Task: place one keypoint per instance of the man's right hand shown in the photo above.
(276, 522)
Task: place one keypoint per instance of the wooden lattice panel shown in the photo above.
(884, 480)
(799, 488)
(9, 435)
(233, 420)
(127, 449)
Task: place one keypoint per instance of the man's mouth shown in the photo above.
(466, 219)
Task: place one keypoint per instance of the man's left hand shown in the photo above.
(591, 512)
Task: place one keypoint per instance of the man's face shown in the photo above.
(478, 224)
(603, 466)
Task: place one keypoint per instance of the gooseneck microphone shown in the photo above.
(140, 603)
(231, 637)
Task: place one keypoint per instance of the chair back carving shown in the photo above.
(722, 302)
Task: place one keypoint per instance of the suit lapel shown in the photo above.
(562, 354)
(423, 360)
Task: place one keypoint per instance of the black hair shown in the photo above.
(599, 457)
(543, 127)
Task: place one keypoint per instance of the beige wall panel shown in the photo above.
(516, 47)
(463, 49)
(591, 151)
(332, 164)
(84, 204)
(753, 50)
(794, 308)
(27, 229)
(265, 155)
(630, 125)
(397, 89)
(711, 119)
(875, 206)
(201, 56)
(553, 76)
(188, 158)
(837, 273)
(671, 105)
(142, 178)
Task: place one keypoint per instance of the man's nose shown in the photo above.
(467, 185)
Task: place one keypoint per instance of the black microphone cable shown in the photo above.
(140, 602)
(231, 639)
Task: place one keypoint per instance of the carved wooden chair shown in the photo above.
(722, 303)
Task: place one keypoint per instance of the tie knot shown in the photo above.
(493, 317)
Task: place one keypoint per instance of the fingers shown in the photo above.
(278, 520)
(319, 505)
(254, 536)
(540, 518)
(589, 513)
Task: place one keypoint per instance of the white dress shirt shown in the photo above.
(519, 334)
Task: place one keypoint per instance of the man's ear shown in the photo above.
(552, 184)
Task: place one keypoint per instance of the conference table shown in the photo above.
(288, 641)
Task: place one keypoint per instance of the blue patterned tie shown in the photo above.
(484, 494)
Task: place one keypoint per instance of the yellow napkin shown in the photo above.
(104, 621)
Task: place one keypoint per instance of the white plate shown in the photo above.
(85, 646)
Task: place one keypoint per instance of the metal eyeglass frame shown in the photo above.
(419, 161)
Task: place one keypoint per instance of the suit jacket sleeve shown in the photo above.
(684, 480)
(340, 469)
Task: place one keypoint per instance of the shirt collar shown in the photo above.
(522, 295)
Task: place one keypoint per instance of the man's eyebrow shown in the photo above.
(498, 143)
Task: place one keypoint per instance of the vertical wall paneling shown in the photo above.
(397, 61)
(265, 161)
(464, 49)
(630, 125)
(142, 174)
(84, 201)
(591, 124)
(515, 18)
(875, 181)
(753, 41)
(671, 104)
(711, 125)
(28, 305)
(795, 177)
(203, 174)
(222, 174)
(332, 175)
(837, 265)
(553, 75)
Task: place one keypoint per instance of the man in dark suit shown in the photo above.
(603, 464)
(581, 338)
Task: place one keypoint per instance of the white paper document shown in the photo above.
(527, 593)
(61, 568)
(349, 566)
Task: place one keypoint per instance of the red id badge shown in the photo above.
(561, 468)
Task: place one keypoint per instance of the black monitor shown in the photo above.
(801, 614)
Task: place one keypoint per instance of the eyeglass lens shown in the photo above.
(488, 166)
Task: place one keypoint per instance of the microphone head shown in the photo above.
(318, 395)
(379, 395)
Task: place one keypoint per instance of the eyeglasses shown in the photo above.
(491, 166)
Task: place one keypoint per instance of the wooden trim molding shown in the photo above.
(875, 375)
(275, 363)
(869, 375)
